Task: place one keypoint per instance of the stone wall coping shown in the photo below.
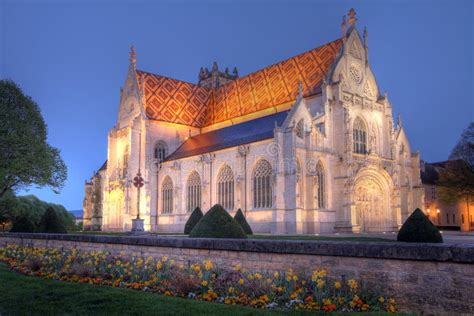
(460, 253)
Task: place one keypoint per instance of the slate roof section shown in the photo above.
(430, 173)
(235, 135)
(186, 103)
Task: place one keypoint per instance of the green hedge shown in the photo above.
(217, 223)
(240, 218)
(195, 217)
(22, 224)
(418, 228)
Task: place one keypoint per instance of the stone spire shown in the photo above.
(133, 57)
(352, 17)
(366, 45)
(344, 28)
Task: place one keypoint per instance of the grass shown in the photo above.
(313, 237)
(25, 295)
(271, 237)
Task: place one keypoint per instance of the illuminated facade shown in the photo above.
(306, 145)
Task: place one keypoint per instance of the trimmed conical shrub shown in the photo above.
(22, 224)
(217, 223)
(195, 217)
(418, 228)
(50, 222)
(240, 218)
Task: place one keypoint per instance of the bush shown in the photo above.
(51, 223)
(240, 218)
(195, 217)
(22, 224)
(418, 228)
(217, 223)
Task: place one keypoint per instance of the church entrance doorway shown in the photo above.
(372, 206)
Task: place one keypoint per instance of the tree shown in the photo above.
(418, 228)
(464, 149)
(7, 208)
(51, 223)
(456, 183)
(22, 224)
(25, 156)
(193, 219)
(240, 218)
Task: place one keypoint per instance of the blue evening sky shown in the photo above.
(72, 57)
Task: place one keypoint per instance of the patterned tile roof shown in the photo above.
(181, 102)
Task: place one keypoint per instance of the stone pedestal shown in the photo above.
(137, 225)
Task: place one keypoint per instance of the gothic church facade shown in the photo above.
(304, 146)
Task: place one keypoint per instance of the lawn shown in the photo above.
(313, 237)
(268, 236)
(25, 295)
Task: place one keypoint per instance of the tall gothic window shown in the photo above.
(193, 191)
(125, 161)
(320, 186)
(167, 196)
(160, 151)
(262, 185)
(225, 188)
(360, 137)
(300, 129)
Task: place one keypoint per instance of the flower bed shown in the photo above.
(203, 281)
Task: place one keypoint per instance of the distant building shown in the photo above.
(443, 215)
(304, 146)
(78, 216)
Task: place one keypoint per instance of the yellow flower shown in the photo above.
(159, 265)
(258, 276)
(237, 267)
(337, 285)
(391, 309)
(381, 299)
(208, 265)
(164, 259)
(276, 274)
(391, 301)
(352, 284)
(269, 281)
(320, 283)
(295, 278)
(231, 290)
(241, 281)
(204, 283)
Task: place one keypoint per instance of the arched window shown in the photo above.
(225, 188)
(125, 161)
(300, 129)
(320, 186)
(262, 185)
(360, 137)
(193, 191)
(167, 195)
(161, 151)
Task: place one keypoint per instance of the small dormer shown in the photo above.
(216, 78)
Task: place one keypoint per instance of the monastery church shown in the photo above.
(307, 145)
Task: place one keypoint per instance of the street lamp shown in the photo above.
(437, 211)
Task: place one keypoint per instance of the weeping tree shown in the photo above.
(25, 156)
(464, 149)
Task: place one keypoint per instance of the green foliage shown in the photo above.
(418, 228)
(22, 224)
(217, 223)
(456, 181)
(7, 208)
(240, 218)
(25, 156)
(195, 217)
(51, 222)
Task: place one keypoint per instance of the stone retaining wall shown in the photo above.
(425, 278)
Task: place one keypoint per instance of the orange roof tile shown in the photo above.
(181, 102)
